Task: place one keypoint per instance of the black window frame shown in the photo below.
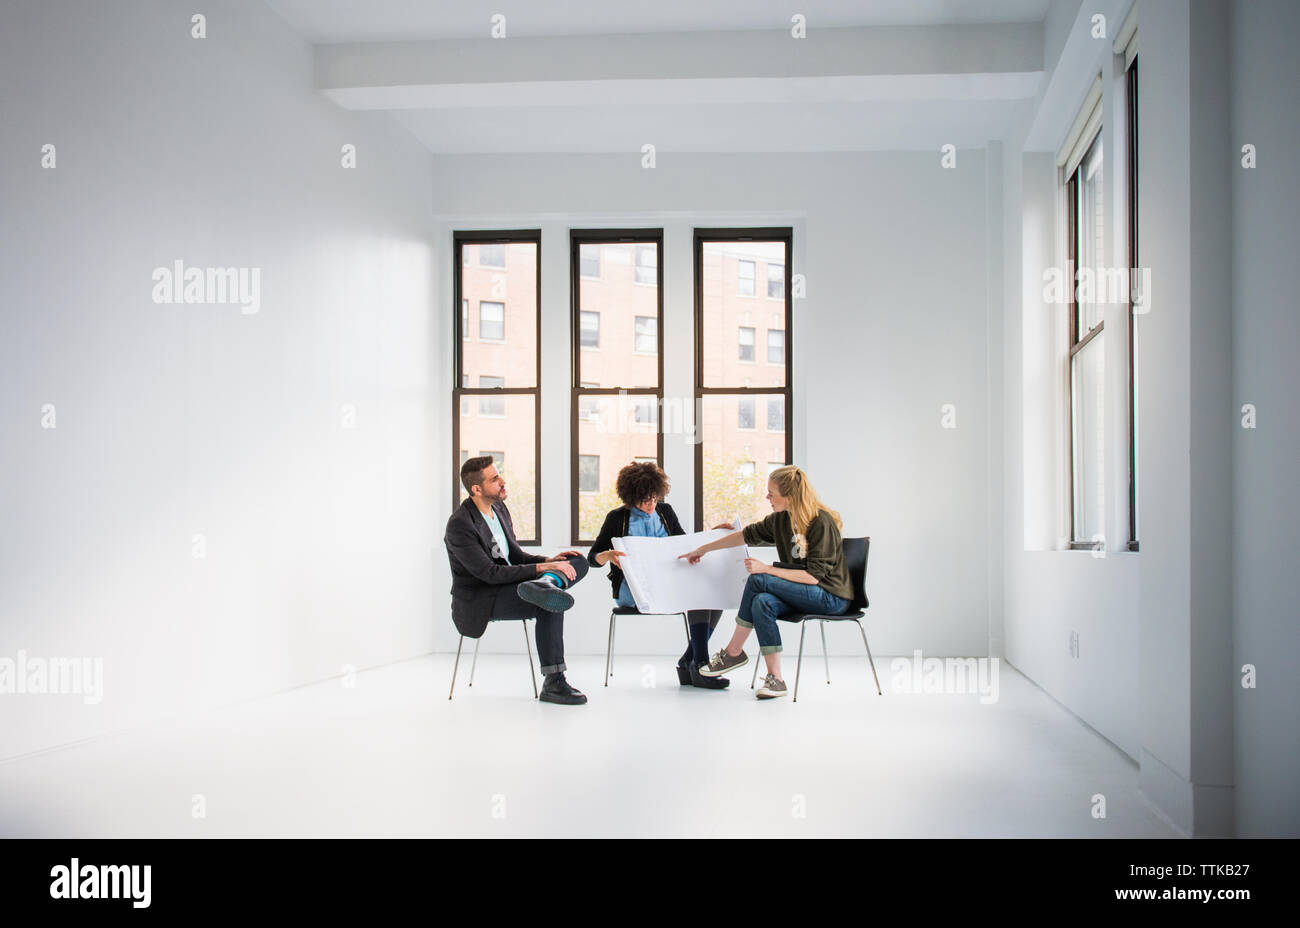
(578, 238)
(785, 235)
(503, 237)
(1131, 94)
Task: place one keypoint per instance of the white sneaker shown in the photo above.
(771, 688)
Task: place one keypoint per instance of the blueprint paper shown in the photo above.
(661, 582)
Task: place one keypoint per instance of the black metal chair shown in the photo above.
(855, 553)
(479, 640)
(630, 610)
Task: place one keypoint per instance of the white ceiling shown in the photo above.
(328, 21)
(684, 75)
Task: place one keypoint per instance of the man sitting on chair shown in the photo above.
(492, 577)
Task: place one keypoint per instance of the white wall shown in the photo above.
(893, 247)
(1265, 331)
(174, 420)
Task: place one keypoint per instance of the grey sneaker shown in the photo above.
(723, 662)
(771, 688)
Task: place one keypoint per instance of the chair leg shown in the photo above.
(474, 666)
(609, 647)
(532, 672)
(825, 660)
(869, 658)
(613, 634)
(455, 667)
(798, 667)
(754, 679)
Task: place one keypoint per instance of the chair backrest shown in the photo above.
(855, 554)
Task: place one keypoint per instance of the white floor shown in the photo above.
(392, 756)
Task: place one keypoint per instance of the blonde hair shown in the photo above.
(794, 485)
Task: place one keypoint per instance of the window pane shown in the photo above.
(491, 405)
(511, 436)
(464, 318)
(745, 412)
(492, 320)
(1089, 467)
(733, 483)
(724, 308)
(493, 255)
(589, 260)
(745, 276)
(620, 429)
(502, 340)
(776, 281)
(746, 344)
(776, 346)
(628, 317)
(1091, 232)
(776, 414)
(647, 257)
(590, 330)
(647, 335)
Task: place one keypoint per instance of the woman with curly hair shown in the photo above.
(810, 576)
(642, 486)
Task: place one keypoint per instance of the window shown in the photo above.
(493, 255)
(647, 335)
(647, 266)
(491, 405)
(498, 459)
(589, 262)
(775, 346)
(590, 325)
(745, 412)
(729, 387)
(588, 473)
(501, 409)
(1131, 92)
(617, 390)
(746, 341)
(492, 321)
(1086, 328)
(775, 414)
(776, 281)
(745, 274)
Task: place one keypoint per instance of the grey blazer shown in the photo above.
(478, 569)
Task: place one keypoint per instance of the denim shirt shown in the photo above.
(645, 526)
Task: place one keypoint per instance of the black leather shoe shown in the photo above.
(707, 683)
(545, 595)
(556, 689)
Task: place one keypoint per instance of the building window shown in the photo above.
(730, 389)
(590, 325)
(745, 274)
(589, 262)
(1086, 327)
(588, 473)
(746, 342)
(496, 374)
(491, 405)
(647, 335)
(616, 390)
(775, 346)
(775, 414)
(498, 460)
(776, 281)
(492, 321)
(647, 267)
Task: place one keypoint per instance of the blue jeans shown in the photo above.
(766, 597)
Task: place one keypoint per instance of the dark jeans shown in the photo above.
(766, 597)
(550, 625)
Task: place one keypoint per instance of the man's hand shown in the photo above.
(605, 557)
(723, 525)
(755, 566)
(563, 568)
(562, 555)
(692, 557)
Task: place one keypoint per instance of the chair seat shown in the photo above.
(856, 614)
(633, 610)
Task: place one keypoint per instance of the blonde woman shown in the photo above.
(810, 575)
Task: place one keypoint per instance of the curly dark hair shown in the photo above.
(641, 480)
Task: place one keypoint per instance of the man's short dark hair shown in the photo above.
(471, 472)
(639, 481)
